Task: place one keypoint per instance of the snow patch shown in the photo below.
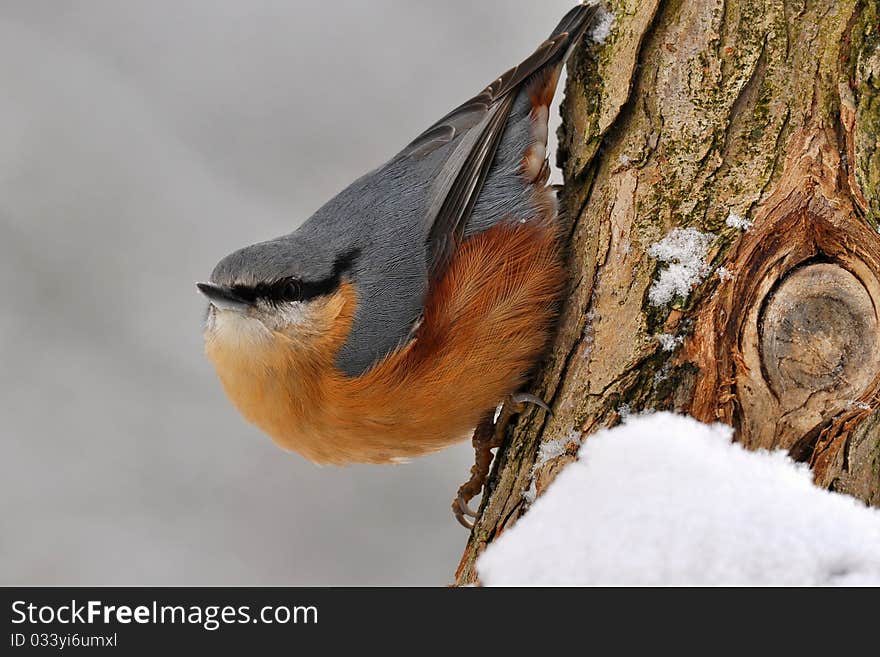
(662, 374)
(669, 342)
(548, 451)
(552, 448)
(736, 221)
(684, 251)
(602, 27)
(724, 274)
(665, 500)
(588, 341)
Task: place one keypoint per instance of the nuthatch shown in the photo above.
(409, 306)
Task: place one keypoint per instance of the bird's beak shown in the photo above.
(222, 297)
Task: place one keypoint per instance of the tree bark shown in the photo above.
(710, 115)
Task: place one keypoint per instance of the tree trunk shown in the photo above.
(752, 128)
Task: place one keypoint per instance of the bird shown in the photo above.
(407, 309)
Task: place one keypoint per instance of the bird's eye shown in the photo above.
(291, 290)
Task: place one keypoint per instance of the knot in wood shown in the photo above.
(819, 332)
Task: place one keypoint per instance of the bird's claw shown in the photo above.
(463, 506)
(461, 509)
(490, 433)
(520, 399)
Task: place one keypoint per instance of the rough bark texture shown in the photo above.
(694, 114)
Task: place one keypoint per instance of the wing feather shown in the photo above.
(478, 126)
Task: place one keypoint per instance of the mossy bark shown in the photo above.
(696, 115)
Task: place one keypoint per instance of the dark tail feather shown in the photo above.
(541, 86)
(576, 23)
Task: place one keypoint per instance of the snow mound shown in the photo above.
(665, 500)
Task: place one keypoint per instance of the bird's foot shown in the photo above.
(489, 434)
(484, 440)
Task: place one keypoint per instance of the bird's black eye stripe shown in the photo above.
(293, 289)
(286, 289)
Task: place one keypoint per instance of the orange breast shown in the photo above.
(486, 321)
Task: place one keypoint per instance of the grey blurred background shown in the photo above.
(140, 141)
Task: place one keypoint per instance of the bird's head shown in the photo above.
(280, 292)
